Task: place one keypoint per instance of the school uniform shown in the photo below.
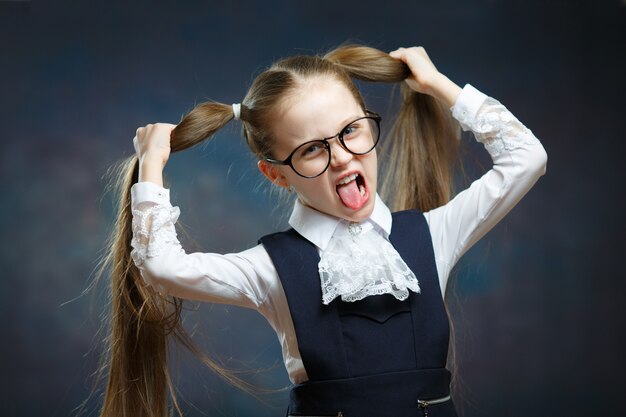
(262, 279)
(378, 356)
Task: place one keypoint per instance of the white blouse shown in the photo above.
(249, 279)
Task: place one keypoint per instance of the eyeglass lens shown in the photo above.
(359, 137)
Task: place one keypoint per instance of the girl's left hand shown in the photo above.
(423, 71)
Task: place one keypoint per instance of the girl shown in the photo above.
(353, 291)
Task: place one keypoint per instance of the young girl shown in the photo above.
(353, 291)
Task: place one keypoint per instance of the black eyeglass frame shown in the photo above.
(287, 161)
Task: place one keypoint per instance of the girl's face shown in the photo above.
(321, 109)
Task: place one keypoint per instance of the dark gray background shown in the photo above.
(540, 310)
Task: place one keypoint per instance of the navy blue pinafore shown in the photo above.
(377, 357)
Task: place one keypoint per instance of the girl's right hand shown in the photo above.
(152, 142)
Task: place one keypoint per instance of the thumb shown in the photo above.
(398, 53)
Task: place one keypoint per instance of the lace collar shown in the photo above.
(356, 259)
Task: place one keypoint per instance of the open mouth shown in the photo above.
(352, 191)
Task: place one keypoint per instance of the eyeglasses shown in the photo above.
(311, 159)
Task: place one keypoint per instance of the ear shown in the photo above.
(273, 174)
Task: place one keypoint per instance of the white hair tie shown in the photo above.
(237, 110)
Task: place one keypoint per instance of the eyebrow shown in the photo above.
(350, 119)
(343, 124)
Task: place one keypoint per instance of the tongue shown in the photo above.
(350, 195)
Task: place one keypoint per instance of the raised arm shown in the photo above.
(242, 279)
(518, 157)
(519, 160)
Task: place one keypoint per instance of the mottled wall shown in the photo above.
(540, 315)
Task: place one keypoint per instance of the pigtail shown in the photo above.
(422, 146)
(368, 64)
(141, 321)
(200, 124)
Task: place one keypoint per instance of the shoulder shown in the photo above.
(406, 212)
(407, 215)
(285, 234)
(257, 258)
(410, 222)
(289, 238)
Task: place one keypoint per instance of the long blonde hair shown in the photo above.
(423, 144)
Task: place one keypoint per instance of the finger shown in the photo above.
(397, 52)
(159, 126)
(401, 55)
(168, 126)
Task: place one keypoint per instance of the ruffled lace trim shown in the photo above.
(153, 231)
(354, 267)
(497, 128)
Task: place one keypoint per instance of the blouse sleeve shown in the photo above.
(519, 160)
(237, 278)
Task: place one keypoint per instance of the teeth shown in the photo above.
(362, 190)
(348, 179)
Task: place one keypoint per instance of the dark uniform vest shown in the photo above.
(377, 357)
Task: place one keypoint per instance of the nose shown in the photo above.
(338, 154)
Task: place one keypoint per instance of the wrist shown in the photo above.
(444, 89)
(151, 162)
(151, 169)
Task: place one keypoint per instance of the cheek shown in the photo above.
(371, 164)
(292, 178)
(314, 192)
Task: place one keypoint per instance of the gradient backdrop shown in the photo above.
(540, 311)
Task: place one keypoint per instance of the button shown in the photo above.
(354, 228)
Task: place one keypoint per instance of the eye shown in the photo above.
(350, 131)
(311, 150)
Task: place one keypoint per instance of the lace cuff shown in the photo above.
(153, 231)
(492, 124)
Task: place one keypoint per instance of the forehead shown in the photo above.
(317, 109)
